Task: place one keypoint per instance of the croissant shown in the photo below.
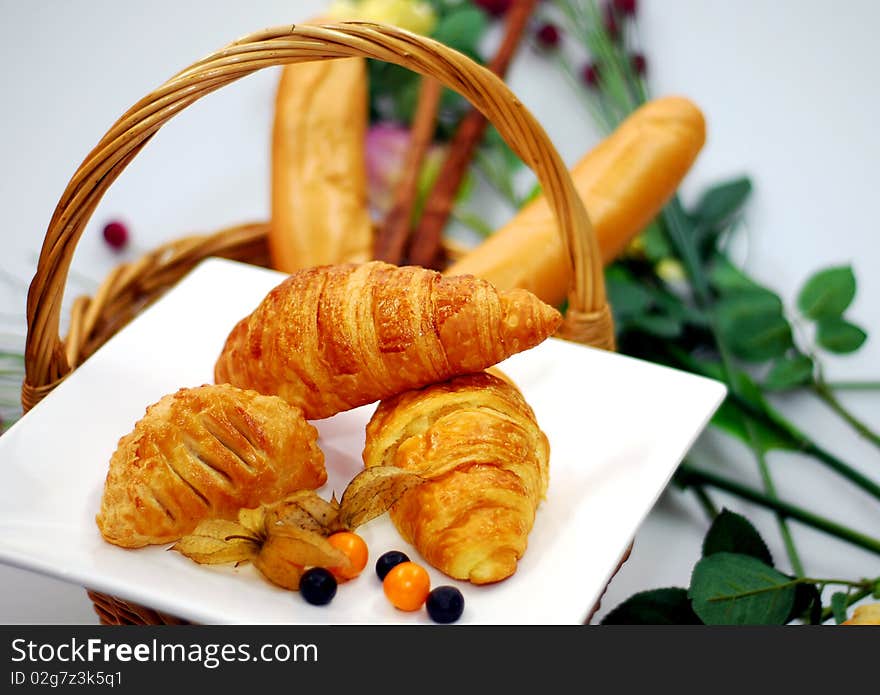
(331, 338)
(205, 452)
(477, 440)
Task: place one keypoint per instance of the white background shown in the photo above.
(788, 89)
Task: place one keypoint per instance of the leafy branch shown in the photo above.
(735, 583)
(680, 300)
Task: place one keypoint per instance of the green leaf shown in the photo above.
(726, 278)
(392, 90)
(405, 100)
(807, 605)
(721, 202)
(732, 419)
(733, 533)
(627, 296)
(656, 607)
(657, 324)
(462, 30)
(753, 325)
(839, 606)
(876, 592)
(672, 305)
(828, 293)
(733, 589)
(837, 335)
(788, 372)
(656, 245)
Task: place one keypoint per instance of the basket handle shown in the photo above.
(588, 318)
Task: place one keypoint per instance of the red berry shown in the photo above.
(627, 8)
(590, 74)
(548, 36)
(639, 63)
(116, 235)
(494, 7)
(611, 26)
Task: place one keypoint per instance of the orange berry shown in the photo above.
(354, 548)
(407, 586)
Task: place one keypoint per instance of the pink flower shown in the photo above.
(386, 149)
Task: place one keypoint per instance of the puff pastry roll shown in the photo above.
(205, 452)
(478, 440)
(331, 338)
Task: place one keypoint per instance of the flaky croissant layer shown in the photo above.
(331, 338)
(488, 460)
(204, 453)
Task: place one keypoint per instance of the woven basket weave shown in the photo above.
(133, 286)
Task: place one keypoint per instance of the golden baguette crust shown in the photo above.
(624, 182)
(319, 181)
(479, 437)
(331, 338)
(205, 452)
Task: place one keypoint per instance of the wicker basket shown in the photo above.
(133, 286)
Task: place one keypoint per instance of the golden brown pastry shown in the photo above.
(319, 182)
(331, 338)
(479, 437)
(204, 453)
(868, 614)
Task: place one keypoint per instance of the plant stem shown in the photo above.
(770, 487)
(820, 388)
(596, 107)
(781, 427)
(473, 222)
(793, 582)
(502, 185)
(767, 416)
(428, 235)
(705, 501)
(828, 613)
(853, 385)
(689, 474)
(865, 583)
(675, 225)
(826, 395)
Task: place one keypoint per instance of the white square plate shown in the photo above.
(618, 428)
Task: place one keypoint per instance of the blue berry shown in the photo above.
(317, 586)
(389, 561)
(445, 604)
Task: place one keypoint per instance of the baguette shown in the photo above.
(319, 183)
(624, 182)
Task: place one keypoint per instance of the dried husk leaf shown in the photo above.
(254, 520)
(288, 550)
(304, 547)
(279, 571)
(304, 509)
(281, 539)
(373, 491)
(218, 541)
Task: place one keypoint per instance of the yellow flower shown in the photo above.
(413, 15)
(635, 248)
(865, 615)
(670, 270)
